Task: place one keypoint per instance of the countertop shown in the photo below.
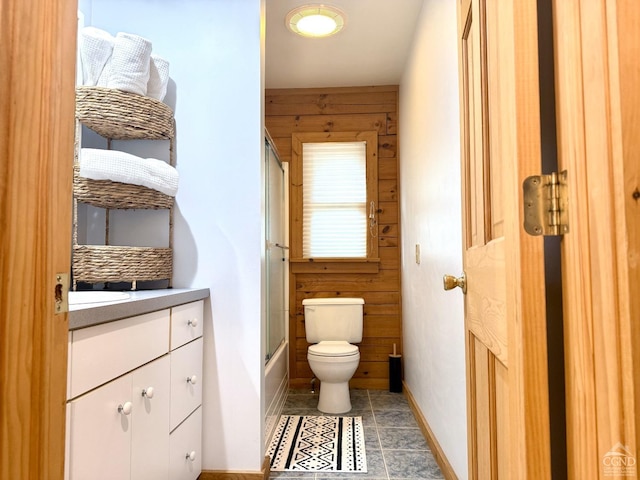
(138, 303)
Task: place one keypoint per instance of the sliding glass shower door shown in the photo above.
(276, 251)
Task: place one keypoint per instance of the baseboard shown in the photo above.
(263, 474)
(436, 450)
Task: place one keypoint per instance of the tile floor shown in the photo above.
(394, 443)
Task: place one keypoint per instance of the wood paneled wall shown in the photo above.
(348, 109)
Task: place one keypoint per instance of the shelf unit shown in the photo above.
(117, 115)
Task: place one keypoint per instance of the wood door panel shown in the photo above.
(501, 375)
(489, 412)
(482, 405)
(505, 326)
(486, 302)
(37, 80)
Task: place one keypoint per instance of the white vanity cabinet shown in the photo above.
(117, 432)
(134, 401)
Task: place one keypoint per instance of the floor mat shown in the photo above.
(318, 444)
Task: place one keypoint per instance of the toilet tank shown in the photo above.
(333, 319)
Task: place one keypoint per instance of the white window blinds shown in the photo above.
(334, 200)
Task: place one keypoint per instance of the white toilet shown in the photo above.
(332, 325)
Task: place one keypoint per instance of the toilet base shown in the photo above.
(334, 397)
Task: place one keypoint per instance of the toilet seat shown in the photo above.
(332, 348)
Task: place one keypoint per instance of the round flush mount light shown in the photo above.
(315, 20)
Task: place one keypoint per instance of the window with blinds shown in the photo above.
(334, 200)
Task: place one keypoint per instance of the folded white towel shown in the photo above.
(96, 47)
(130, 64)
(126, 168)
(158, 77)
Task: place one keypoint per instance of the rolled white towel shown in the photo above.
(96, 47)
(103, 80)
(158, 77)
(130, 64)
(123, 167)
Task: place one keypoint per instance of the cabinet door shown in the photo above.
(186, 455)
(150, 429)
(186, 381)
(100, 437)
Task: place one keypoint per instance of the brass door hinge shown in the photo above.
(546, 202)
(61, 294)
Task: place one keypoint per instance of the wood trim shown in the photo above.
(37, 107)
(432, 441)
(528, 381)
(625, 75)
(263, 474)
(597, 109)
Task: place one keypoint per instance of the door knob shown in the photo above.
(451, 282)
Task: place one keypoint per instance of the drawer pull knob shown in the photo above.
(191, 455)
(193, 322)
(192, 379)
(124, 409)
(148, 392)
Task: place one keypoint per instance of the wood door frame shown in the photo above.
(528, 406)
(37, 79)
(598, 107)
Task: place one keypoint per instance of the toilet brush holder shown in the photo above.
(395, 372)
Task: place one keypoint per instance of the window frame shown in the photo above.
(333, 265)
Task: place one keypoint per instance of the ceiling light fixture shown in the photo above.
(315, 20)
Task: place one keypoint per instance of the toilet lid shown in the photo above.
(333, 349)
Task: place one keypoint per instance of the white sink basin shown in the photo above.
(77, 298)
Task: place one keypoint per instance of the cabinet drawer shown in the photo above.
(186, 323)
(100, 353)
(185, 457)
(186, 391)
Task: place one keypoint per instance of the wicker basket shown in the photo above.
(109, 263)
(108, 194)
(123, 115)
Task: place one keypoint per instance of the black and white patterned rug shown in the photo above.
(318, 444)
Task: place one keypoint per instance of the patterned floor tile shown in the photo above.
(389, 402)
(392, 438)
(395, 418)
(411, 464)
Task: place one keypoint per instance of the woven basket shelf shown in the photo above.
(108, 194)
(123, 115)
(110, 263)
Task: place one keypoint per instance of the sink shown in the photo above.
(77, 298)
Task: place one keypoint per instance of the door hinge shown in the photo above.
(546, 202)
(61, 294)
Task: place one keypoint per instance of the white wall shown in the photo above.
(433, 322)
(217, 93)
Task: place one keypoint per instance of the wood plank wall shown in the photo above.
(348, 109)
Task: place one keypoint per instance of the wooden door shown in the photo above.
(598, 107)
(37, 76)
(507, 392)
